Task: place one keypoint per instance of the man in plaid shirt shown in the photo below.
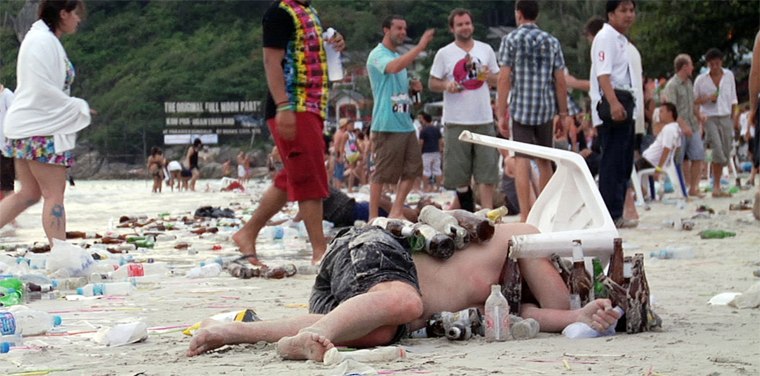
(532, 78)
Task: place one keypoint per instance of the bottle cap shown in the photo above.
(54, 283)
(57, 320)
(5, 347)
(80, 291)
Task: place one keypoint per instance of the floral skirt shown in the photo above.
(37, 148)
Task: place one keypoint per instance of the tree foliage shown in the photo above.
(133, 55)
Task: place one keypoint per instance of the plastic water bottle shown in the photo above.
(22, 321)
(137, 269)
(206, 271)
(113, 288)
(672, 253)
(497, 316)
(334, 65)
(582, 330)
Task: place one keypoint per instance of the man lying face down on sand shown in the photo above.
(370, 291)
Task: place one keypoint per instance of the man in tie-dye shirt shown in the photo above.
(296, 71)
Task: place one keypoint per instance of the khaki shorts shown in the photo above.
(718, 133)
(465, 160)
(397, 156)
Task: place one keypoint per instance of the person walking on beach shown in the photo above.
(296, 72)
(191, 162)
(7, 170)
(715, 93)
(754, 113)
(612, 91)
(41, 124)
(532, 77)
(463, 71)
(374, 292)
(395, 147)
(680, 91)
(155, 165)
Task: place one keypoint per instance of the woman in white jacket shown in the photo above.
(41, 124)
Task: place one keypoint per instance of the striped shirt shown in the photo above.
(534, 55)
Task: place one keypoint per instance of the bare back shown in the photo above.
(464, 280)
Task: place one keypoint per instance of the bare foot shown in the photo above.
(598, 315)
(247, 246)
(304, 346)
(211, 336)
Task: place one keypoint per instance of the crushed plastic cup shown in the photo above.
(122, 334)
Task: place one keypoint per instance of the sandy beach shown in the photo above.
(696, 338)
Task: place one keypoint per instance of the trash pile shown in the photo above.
(134, 253)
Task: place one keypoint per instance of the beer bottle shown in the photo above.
(496, 215)
(615, 271)
(580, 282)
(479, 227)
(397, 227)
(81, 235)
(435, 243)
(600, 291)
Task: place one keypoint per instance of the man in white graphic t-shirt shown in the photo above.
(462, 71)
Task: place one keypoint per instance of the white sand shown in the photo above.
(697, 339)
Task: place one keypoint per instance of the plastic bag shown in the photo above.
(68, 260)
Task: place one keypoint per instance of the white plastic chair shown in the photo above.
(673, 173)
(570, 207)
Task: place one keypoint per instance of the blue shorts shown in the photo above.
(691, 148)
(339, 171)
(361, 211)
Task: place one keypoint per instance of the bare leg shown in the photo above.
(597, 314)
(545, 169)
(522, 184)
(52, 183)
(717, 173)
(369, 319)
(214, 334)
(695, 173)
(311, 212)
(271, 202)
(402, 190)
(375, 191)
(486, 196)
(29, 194)
(629, 208)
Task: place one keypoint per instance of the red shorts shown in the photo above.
(304, 176)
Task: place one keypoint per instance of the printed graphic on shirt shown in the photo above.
(470, 72)
(401, 103)
(601, 55)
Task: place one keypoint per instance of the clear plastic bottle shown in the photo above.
(21, 320)
(206, 271)
(497, 316)
(334, 64)
(112, 288)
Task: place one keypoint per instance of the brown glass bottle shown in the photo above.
(580, 282)
(615, 271)
(479, 227)
(436, 244)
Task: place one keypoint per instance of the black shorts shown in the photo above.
(7, 174)
(541, 135)
(357, 260)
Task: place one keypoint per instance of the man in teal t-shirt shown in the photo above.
(396, 150)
